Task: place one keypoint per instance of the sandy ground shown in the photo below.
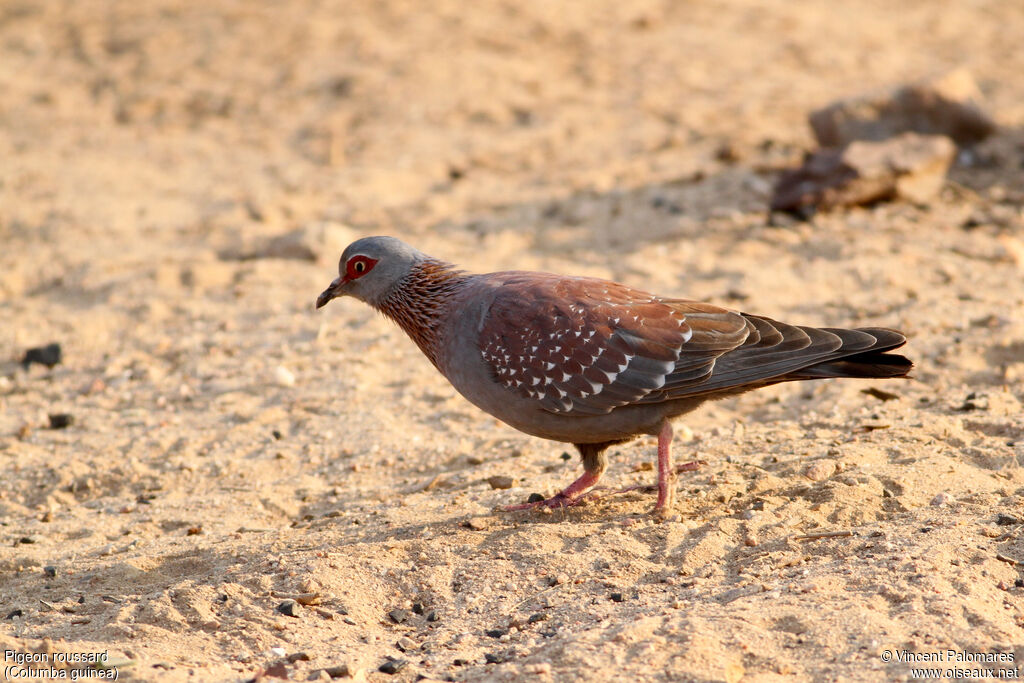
(231, 447)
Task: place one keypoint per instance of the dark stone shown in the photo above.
(298, 657)
(432, 616)
(14, 613)
(49, 355)
(617, 597)
(496, 632)
(392, 666)
(398, 615)
(277, 434)
(417, 608)
(539, 616)
(535, 498)
(974, 401)
(50, 571)
(340, 671)
(290, 608)
(499, 657)
(61, 420)
(461, 662)
(1003, 519)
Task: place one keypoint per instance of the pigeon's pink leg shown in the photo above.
(691, 466)
(666, 473)
(594, 464)
(567, 497)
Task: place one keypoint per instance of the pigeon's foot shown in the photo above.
(572, 495)
(559, 500)
(578, 493)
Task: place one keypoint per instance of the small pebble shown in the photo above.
(398, 615)
(405, 644)
(50, 571)
(975, 401)
(432, 615)
(284, 377)
(392, 666)
(476, 524)
(460, 662)
(500, 482)
(539, 616)
(941, 498)
(277, 670)
(290, 608)
(298, 657)
(535, 498)
(497, 657)
(1003, 519)
(617, 597)
(417, 608)
(340, 671)
(49, 355)
(820, 470)
(496, 632)
(61, 420)
(14, 613)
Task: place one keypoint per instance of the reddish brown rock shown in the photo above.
(910, 166)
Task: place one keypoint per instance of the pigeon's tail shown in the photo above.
(881, 365)
(874, 362)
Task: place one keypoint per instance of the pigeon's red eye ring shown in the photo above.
(359, 266)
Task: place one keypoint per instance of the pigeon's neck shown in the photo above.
(420, 299)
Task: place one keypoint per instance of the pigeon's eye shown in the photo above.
(359, 266)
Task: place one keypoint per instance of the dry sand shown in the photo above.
(231, 446)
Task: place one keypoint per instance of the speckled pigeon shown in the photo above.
(592, 362)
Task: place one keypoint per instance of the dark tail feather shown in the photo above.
(871, 364)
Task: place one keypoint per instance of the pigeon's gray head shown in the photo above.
(370, 267)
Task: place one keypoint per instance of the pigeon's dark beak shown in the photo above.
(334, 291)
